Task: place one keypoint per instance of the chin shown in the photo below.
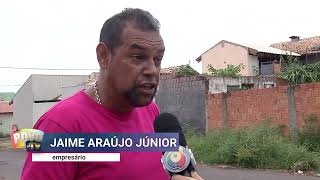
(142, 102)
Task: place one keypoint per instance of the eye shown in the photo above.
(157, 61)
(137, 56)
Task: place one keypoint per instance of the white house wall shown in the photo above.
(22, 106)
(39, 109)
(223, 54)
(48, 87)
(45, 87)
(69, 91)
(73, 80)
(6, 121)
(253, 65)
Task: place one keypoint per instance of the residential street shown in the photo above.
(11, 162)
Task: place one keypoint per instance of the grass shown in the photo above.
(261, 147)
(309, 136)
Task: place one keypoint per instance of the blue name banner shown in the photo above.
(115, 142)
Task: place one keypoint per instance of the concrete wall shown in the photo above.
(259, 82)
(6, 121)
(48, 87)
(39, 109)
(253, 65)
(23, 105)
(69, 91)
(185, 98)
(29, 102)
(220, 84)
(227, 53)
(45, 87)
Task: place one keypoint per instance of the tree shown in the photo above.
(186, 70)
(296, 73)
(229, 71)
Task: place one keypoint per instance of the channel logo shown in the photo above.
(26, 138)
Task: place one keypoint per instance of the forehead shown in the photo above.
(135, 36)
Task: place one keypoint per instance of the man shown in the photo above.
(129, 54)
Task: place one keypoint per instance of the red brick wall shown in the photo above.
(247, 108)
(214, 111)
(307, 98)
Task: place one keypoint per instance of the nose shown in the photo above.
(150, 68)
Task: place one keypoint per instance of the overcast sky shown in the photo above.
(64, 33)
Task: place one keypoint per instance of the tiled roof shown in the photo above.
(271, 50)
(169, 70)
(5, 107)
(256, 48)
(302, 46)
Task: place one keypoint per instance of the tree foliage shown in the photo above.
(229, 71)
(186, 70)
(296, 73)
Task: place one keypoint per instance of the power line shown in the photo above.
(49, 69)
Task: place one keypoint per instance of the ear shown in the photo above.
(103, 55)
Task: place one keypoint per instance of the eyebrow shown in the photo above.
(162, 50)
(140, 47)
(137, 46)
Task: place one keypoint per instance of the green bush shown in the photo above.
(296, 73)
(186, 70)
(229, 71)
(309, 136)
(259, 147)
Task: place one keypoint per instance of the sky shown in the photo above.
(63, 34)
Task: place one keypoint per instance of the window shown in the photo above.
(231, 88)
(247, 86)
(266, 68)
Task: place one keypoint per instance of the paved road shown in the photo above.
(11, 162)
(213, 173)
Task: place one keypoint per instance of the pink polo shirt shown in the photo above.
(81, 114)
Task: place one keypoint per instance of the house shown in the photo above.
(258, 60)
(308, 48)
(40, 92)
(6, 113)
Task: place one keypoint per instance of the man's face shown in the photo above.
(134, 68)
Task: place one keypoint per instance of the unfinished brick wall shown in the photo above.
(282, 105)
(307, 101)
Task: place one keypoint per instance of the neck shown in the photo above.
(109, 98)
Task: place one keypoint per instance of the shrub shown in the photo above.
(259, 147)
(186, 70)
(230, 71)
(296, 73)
(309, 136)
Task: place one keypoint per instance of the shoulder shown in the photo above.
(153, 107)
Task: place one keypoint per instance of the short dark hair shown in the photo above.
(113, 27)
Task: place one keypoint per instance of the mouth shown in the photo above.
(147, 88)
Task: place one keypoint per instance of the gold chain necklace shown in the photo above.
(96, 93)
